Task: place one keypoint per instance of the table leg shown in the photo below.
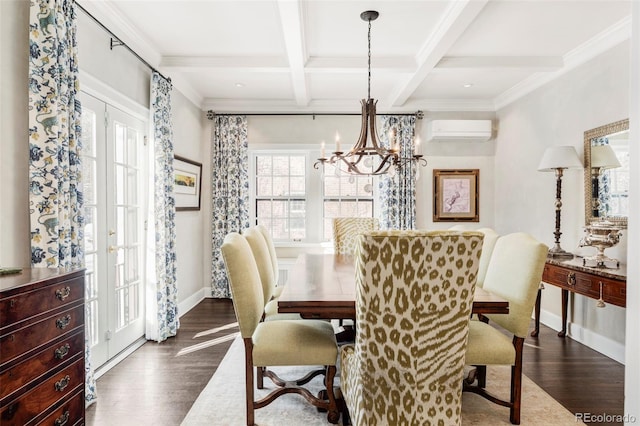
(565, 303)
(536, 328)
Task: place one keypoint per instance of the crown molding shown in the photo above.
(606, 40)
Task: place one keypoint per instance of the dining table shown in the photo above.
(323, 286)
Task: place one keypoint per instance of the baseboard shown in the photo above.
(190, 302)
(597, 342)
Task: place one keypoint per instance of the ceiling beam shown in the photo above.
(458, 16)
(532, 63)
(291, 18)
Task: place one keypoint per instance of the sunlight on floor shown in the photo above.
(207, 344)
(215, 330)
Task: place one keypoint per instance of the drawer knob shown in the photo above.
(63, 293)
(571, 278)
(62, 351)
(63, 419)
(63, 322)
(62, 383)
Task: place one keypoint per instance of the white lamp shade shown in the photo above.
(559, 157)
(603, 157)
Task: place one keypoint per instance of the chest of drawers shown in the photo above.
(42, 347)
(608, 286)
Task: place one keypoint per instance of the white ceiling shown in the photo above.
(311, 55)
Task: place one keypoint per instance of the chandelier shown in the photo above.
(370, 159)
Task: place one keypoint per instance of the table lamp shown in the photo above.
(557, 159)
(602, 157)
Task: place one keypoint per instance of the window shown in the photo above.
(280, 195)
(345, 196)
(296, 203)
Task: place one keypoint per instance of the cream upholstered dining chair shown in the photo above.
(262, 256)
(414, 294)
(346, 231)
(276, 343)
(274, 258)
(489, 242)
(514, 274)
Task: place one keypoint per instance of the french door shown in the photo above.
(114, 199)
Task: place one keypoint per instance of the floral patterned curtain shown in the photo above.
(162, 289)
(398, 193)
(230, 191)
(55, 169)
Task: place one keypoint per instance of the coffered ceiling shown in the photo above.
(311, 55)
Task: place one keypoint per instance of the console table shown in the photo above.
(606, 285)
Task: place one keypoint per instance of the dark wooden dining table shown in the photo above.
(323, 286)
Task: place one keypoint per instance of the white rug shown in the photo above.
(222, 402)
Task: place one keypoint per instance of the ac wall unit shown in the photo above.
(466, 130)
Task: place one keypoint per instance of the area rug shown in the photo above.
(221, 403)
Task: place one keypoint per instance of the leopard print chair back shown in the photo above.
(414, 293)
(346, 231)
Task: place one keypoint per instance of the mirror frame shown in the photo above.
(607, 129)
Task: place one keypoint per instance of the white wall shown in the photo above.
(14, 142)
(120, 71)
(632, 343)
(559, 113)
(193, 243)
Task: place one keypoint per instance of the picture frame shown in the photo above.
(187, 183)
(455, 195)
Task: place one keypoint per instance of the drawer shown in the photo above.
(586, 284)
(44, 396)
(615, 292)
(48, 359)
(24, 305)
(69, 414)
(27, 338)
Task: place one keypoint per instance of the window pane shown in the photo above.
(263, 187)
(279, 208)
(297, 186)
(280, 166)
(331, 186)
(280, 186)
(348, 187)
(298, 209)
(263, 165)
(298, 166)
(263, 210)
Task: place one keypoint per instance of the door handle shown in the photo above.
(112, 249)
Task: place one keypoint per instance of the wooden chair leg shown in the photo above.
(333, 415)
(248, 371)
(516, 382)
(481, 374)
(260, 377)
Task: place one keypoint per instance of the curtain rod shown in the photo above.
(211, 114)
(118, 42)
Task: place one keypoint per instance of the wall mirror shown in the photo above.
(606, 173)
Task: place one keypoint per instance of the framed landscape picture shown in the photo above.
(455, 195)
(187, 180)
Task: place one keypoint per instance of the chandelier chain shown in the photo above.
(369, 62)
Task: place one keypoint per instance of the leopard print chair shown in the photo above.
(414, 293)
(346, 231)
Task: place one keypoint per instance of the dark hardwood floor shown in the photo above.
(157, 384)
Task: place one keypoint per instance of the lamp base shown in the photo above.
(558, 253)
